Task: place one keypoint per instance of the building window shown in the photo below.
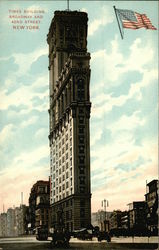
(81, 111)
(70, 151)
(67, 215)
(70, 214)
(80, 90)
(82, 180)
(71, 161)
(66, 137)
(66, 164)
(82, 171)
(81, 119)
(66, 175)
(82, 203)
(82, 190)
(81, 139)
(67, 203)
(70, 141)
(82, 212)
(81, 129)
(81, 159)
(81, 149)
(70, 171)
(66, 156)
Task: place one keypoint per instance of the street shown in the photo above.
(30, 243)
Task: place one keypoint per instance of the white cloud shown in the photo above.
(29, 159)
(28, 122)
(41, 133)
(37, 7)
(6, 134)
(112, 65)
(97, 132)
(127, 123)
(104, 103)
(119, 186)
(103, 20)
(21, 174)
(19, 180)
(24, 61)
(24, 95)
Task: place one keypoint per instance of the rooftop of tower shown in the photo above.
(66, 16)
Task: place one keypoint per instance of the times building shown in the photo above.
(69, 113)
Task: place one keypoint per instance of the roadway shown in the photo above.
(30, 243)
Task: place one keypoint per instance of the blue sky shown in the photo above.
(124, 77)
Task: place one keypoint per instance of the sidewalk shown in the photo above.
(121, 239)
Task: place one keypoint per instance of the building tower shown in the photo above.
(69, 113)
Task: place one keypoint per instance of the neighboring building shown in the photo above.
(137, 216)
(125, 220)
(151, 198)
(3, 224)
(39, 205)
(69, 113)
(115, 219)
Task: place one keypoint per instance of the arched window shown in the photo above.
(41, 200)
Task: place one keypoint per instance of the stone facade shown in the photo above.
(151, 198)
(39, 205)
(69, 112)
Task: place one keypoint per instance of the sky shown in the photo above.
(124, 96)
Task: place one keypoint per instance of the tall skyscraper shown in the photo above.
(69, 113)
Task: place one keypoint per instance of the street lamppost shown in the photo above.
(105, 204)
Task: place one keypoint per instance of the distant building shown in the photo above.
(39, 205)
(11, 230)
(13, 223)
(21, 220)
(3, 224)
(151, 198)
(101, 219)
(137, 216)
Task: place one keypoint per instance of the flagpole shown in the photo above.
(68, 5)
(118, 22)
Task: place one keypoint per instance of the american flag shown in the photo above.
(134, 20)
